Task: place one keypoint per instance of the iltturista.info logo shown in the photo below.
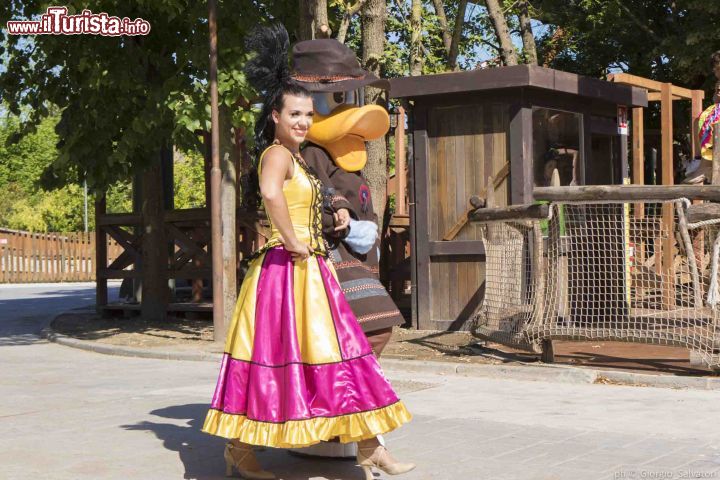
(56, 21)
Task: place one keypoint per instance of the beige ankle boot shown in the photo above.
(372, 454)
(242, 457)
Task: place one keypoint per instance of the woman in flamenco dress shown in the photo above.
(297, 368)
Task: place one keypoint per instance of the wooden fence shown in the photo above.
(49, 257)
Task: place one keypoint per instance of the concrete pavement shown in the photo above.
(71, 414)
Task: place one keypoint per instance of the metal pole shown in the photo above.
(215, 177)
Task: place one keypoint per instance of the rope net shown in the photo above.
(635, 272)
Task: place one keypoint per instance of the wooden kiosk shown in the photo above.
(514, 124)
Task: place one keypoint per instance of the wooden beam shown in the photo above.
(107, 219)
(627, 193)
(702, 212)
(529, 211)
(187, 215)
(498, 179)
(656, 97)
(458, 247)
(651, 85)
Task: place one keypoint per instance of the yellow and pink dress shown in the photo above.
(297, 368)
(709, 117)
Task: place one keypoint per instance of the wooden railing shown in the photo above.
(27, 257)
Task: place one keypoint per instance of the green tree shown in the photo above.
(24, 204)
(189, 180)
(666, 40)
(121, 98)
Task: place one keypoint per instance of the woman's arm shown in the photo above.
(276, 168)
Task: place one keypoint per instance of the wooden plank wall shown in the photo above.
(27, 257)
(466, 144)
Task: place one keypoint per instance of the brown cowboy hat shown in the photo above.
(326, 65)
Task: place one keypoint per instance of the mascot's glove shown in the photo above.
(362, 236)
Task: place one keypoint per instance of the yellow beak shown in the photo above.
(344, 132)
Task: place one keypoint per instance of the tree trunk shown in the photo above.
(229, 160)
(350, 12)
(507, 51)
(313, 20)
(528, 38)
(416, 57)
(154, 244)
(442, 20)
(373, 39)
(457, 33)
(305, 19)
(320, 19)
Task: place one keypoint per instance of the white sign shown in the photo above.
(622, 120)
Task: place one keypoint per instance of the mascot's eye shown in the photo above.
(339, 97)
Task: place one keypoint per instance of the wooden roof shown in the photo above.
(518, 76)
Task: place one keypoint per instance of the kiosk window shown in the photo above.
(556, 145)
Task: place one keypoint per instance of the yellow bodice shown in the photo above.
(303, 194)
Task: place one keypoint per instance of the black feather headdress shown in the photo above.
(268, 72)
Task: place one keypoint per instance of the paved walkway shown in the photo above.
(71, 414)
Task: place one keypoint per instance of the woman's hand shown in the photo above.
(298, 250)
(342, 219)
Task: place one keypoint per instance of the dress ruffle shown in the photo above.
(302, 433)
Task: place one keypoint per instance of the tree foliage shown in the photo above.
(26, 205)
(667, 40)
(121, 98)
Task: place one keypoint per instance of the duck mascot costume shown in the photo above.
(336, 152)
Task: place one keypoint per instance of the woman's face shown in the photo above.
(294, 120)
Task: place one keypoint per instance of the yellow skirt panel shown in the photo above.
(301, 433)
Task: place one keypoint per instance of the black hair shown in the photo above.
(265, 127)
(269, 73)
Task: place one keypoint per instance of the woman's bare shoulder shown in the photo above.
(276, 157)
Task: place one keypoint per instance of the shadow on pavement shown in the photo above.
(202, 454)
(26, 309)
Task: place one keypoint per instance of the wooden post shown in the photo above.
(547, 349)
(137, 231)
(638, 154)
(215, 179)
(716, 155)
(101, 291)
(154, 246)
(695, 111)
(400, 174)
(668, 270)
